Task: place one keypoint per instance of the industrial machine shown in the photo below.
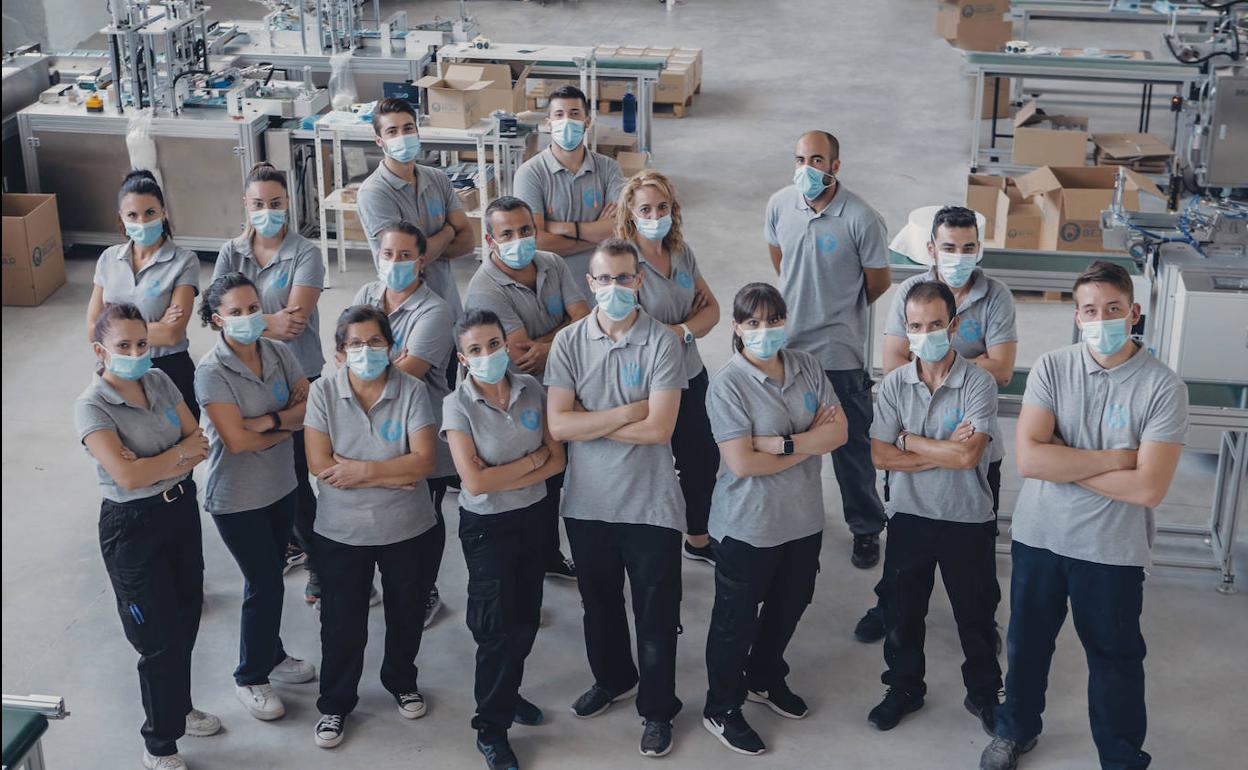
(26, 75)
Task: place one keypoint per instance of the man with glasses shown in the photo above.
(614, 380)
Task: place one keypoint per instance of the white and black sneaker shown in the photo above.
(561, 567)
(656, 738)
(330, 730)
(734, 732)
(781, 700)
(411, 705)
(433, 603)
(596, 700)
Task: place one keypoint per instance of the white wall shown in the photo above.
(59, 25)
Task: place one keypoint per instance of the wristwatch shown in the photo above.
(787, 447)
(688, 338)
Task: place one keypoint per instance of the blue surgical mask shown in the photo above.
(129, 367)
(490, 368)
(145, 233)
(243, 328)
(654, 229)
(930, 346)
(268, 222)
(396, 275)
(518, 253)
(1105, 337)
(616, 301)
(368, 363)
(956, 268)
(567, 133)
(403, 148)
(809, 181)
(764, 343)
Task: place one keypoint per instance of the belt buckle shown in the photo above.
(165, 495)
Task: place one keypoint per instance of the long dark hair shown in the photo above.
(749, 299)
(140, 181)
(211, 300)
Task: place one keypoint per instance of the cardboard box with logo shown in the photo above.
(1071, 200)
(1014, 222)
(34, 261)
(974, 25)
(466, 93)
(1041, 139)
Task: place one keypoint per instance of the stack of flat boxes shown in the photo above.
(680, 80)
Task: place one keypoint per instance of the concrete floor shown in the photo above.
(903, 130)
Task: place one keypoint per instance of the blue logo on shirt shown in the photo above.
(970, 330)
(554, 305)
(826, 243)
(630, 374)
(811, 401)
(591, 197)
(151, 288)
(281, 391)
(530, 419)
(390, 430)
(1115, 416)
(436, 210)
(171, 414)
(398, 341)
(282, 280)
(953, 416)
(684, 280)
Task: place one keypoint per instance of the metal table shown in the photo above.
(1025, 11)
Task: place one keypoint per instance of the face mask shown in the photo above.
(368, 363)
(403, 148)
(396, 275)
(567, 133)
(268, 222)
(489, 369)
(930, 347)
(764, 343)
(145, 233)
(243, 328)
(518, 253)
(956, 268)
(809, 181)
(129, 367)
(1105, 337)
(616, 301)
(654, 229)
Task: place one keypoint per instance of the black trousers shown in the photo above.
(554, 490)
(745, 644)
(855, 473)
(506, 558)
(153, 552)
(437, 491)
(346, 573)
(257, 540)
(305, 513)
(697, 454)
(650, 556)
(966, 556)
(181, 369)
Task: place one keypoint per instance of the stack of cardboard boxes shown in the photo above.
(680, 80)
(979, 25)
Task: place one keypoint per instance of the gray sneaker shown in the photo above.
(1003, 754)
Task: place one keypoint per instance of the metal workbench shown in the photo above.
(1026, 11)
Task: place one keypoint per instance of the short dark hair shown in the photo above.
(833, 143)
(223, 284)
(358, 314)
(568, 91)
(504, 204)
(140, 181)
(932, 291)
(406, 228)
(954, 216)
(111, 314)
(1101, 271)
(474, 317)
(749, 299)
(618, 247)
(389, 106)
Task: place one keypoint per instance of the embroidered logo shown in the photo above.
(151, 288)
(826, 243)
(281, 391)
(436, 210)
(390, 430)
(684, 280)
(281, 280)
(554, 305)
(970, 330)
(1115, 416)
(811, 401)
(630, 374)
(171, 414)
(591, 197)
(530, 419)
(953, 416)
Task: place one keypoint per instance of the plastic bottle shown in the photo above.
(630, 112)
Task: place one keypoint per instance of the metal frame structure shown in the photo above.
(1189, 14)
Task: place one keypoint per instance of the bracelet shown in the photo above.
(183, 459)
(578, 229)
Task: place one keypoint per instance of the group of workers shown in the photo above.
(568, 384)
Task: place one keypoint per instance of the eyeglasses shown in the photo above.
(623, 279)
(376, 343)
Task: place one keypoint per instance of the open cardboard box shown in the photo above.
(1049, 140)
(1071, 200)
(455, 99)
(1013, 221)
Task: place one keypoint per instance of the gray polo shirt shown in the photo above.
(822, 259)
(985, 318)
(152, 289)
(609, 480)
(904, 403)
(741, 400)
(538, 311)
(422, 327)
(500, 436)
(669, 298)
(1137, 401)
(371, 515)
(384, 199)
(297, 263)
(563, 196)
(247, 480)
(146, 432)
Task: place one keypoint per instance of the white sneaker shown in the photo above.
(412, 705)
(170, 762)
(261, 701)
(330, 730)
(293, 671)
(200, 723)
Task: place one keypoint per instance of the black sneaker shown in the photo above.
(781, 700)
(1003, 754)
(494, 746)
(694, 553)
(656, 738)
(896, 704)
(295, 557)
(433, 603)
(329, 730)
(312, 590)
(734, 732)
(984, 707)
(866, 552)
(562, 568)
(528, 714)
(597, 700)
(870, 628)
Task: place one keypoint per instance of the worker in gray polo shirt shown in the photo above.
(1099, 437)
(422, 347)
(935, 419)
(370, 438)
(402, 190)
(614, 380)
(774, 415)
(831, 252)
(571, 189)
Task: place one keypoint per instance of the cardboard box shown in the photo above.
(1018, 220)
(676, 84)
(455, 100)
(981, 197)
(1071, 200)
(696, 55)
(1002, 87)
(631, 163)
(974, 25)
(34, 261)
(1049, 140)
(1141, 152)
(613, 141)
(506, 85)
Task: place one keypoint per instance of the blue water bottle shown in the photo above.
(630, 112)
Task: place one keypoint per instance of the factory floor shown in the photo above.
(873, 73)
